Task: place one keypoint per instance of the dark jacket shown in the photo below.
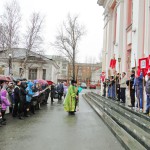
(17, 94)
(53, 91)
(60, 88)
(131, 81)
(23, 92)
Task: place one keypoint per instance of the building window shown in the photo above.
(44, 74)
(32, 74)
(64, 72)
(64, 66)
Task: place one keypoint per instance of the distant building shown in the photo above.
(83, 71)
(95, 77)
(37, 66)
(63, 63)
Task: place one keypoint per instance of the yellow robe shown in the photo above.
(70, 99)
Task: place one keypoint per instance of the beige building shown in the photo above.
(37, 67)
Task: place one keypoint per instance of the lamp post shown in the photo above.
(10, 64)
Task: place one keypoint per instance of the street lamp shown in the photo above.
(10, 63)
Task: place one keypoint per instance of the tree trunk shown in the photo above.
(73, 64)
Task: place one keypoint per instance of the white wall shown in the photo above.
(147, 28)
(137, 36)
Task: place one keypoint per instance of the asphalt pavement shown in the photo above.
(53, 129)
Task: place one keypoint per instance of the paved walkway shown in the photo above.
(53, 129)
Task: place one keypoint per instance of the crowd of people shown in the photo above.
(23, 97)
(115, 88)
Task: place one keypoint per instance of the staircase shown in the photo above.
(130, 127)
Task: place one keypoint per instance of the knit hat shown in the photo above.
(73, 81)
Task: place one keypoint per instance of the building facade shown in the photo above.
(37, 66)
(63, 63)
(126, 33)
(83, 72)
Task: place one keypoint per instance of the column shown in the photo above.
(124, 50)
(137, 31)
(118, 49)
(109, 49)
(104, 46)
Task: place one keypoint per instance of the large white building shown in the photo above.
(126, 33)
(37, 66)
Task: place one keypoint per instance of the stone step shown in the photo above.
(128, 142)
(146, 117)
(133, 129)
(140, 121)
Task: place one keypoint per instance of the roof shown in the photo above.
(20, 53)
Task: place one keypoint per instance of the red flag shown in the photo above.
(114, 63)
(110, 65)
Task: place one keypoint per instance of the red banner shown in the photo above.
(143, 65)
(112, 63)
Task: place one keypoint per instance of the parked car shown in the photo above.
(92, 86)
(83, 85)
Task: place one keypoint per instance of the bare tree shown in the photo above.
(68, 38)
(10, 23)
(2, 38)
(33, 38)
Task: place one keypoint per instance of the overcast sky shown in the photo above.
(55, 11)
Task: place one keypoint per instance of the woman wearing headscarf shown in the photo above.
(71, 98)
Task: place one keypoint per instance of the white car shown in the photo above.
(83, 85)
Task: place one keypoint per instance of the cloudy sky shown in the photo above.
(55, 12)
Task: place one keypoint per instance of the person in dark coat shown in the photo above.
(16, 98)
(104, 88)
(60, 90)
(147, 89)
(22, 103)
(113, 88)
(47, 92)
(118, 78)
(53, 92)
(130, 84)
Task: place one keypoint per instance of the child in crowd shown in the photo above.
(4, 104)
